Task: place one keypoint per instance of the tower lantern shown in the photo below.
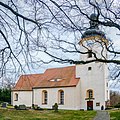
(93, 39)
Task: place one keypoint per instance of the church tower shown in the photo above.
(94, 92)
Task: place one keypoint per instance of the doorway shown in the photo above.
(89, 105)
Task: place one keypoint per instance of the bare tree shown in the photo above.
(114, 98)
(34, 32)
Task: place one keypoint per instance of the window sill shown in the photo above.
(60, 104)
(89, 98)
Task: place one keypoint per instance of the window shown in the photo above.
(98, 104)
(107, 94)
(16, 97)
(90, 93)
(89, 68)
(89, 53)
(107, 84)
(44, 96)
(61, 97)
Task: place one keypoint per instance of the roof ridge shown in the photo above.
(59, 67)
(32, 74)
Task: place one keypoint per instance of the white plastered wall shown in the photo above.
(24, 97)
(95, 80)
(71, 97)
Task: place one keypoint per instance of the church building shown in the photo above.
(82, 86)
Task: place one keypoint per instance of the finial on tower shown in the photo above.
(94, 21)
(93, 30)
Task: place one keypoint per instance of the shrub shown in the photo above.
(35, 107)
(55, 107)
(16, 107)
(108, 108)
(117, 105)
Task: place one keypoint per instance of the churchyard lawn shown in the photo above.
(12, 114)
(114, 114)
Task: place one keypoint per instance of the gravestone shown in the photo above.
(22, 107)
(4, 105)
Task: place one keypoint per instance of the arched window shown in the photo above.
(44, 97)
(61, 97)
(16, 97)
(89, 93)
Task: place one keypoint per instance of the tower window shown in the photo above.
(98, 104)
(89, 53)
(107, 84)
(89, 68)
(90, 93)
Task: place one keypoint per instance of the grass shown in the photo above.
(8, 114)
(114, 114)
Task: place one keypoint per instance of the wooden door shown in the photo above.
(89, 105)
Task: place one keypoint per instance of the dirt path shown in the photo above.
(102, 115)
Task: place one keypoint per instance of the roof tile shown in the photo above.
(54, 77)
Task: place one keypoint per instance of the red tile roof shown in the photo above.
(26, 82)
(54, 77)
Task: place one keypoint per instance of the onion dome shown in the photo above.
(93, 32)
